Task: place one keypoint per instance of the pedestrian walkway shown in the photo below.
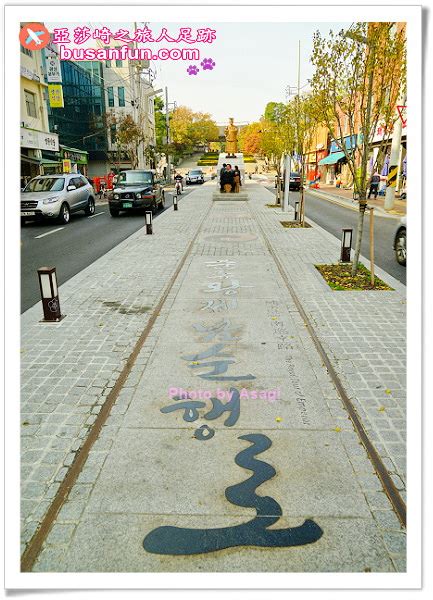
(345, 197)
(227, 447)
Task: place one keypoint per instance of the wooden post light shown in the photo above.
(346, 244)
(49, 294)
(149, 229)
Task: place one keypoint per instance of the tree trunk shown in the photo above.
(359, 232)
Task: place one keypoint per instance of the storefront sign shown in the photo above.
(29, 74)
(31, 138)
(54, 73)
(349, 143)
(75, 156)
(55, 94)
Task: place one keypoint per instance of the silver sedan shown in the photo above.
(56, 197)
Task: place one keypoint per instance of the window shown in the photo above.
(107, 62)
(30, 104)
(121, 94)
(113, 134)
(119, 63)
(26, 51)
(46, 184)
(110, 96)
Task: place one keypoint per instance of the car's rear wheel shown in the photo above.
(23, 221)
(114, 212)
(400, 248)
(64, 215)
(90, 208)
(154, 207)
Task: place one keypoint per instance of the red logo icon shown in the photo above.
(34, 36)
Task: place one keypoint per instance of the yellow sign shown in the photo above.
(66, 165)
(55, 95)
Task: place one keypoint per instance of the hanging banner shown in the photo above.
(66, 164)
(55, 94)
(54, 73)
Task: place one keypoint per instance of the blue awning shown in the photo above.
(331, 159)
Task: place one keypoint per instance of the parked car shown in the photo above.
(399, 246)
(56, 197)
(136, 189)
(294, 181)
(194, 176)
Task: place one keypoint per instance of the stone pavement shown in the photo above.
(164, 467)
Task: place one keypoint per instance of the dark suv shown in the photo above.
(136, 189)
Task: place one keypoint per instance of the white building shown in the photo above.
(127, 91)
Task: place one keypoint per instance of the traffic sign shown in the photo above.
(402, 114)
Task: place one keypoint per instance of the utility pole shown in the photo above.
(167, 126)
(394, 162)
(287, 167)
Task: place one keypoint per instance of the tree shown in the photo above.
(275, 111)
(160, 124)
(250, 138)
(359, 75)
(189, 129)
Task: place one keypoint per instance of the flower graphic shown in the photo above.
(53, 305)
(208, 64)
(192, 70)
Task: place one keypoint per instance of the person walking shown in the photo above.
(227, 179)
(221, 177)
(374, 184)
(237, 180)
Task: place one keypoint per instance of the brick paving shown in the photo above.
(68, 370)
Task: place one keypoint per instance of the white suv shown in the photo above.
(56, 197)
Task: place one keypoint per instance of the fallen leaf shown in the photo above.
(337, 429)
(278, 419)
(387, 391)
(381, 409)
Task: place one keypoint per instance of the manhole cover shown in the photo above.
(231, 237)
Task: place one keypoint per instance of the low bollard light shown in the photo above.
(149, 229)
(346, 244)
(49, 294)
(175, 202)
(296, 211)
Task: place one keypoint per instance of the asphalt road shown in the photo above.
(333, 218)
(73, 247)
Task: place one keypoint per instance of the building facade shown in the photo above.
(36, 136)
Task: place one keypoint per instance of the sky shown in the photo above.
(254, 63)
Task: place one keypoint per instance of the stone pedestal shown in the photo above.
(235, 161)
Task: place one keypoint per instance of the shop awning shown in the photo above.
(331, 159)
(34, 161)
(50, 163)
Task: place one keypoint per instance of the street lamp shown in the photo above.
(49, 294)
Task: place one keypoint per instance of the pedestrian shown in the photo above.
(227, 179)
(374, 184)
(221, 178)
(236, 180)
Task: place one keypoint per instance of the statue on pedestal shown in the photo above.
(231, 133)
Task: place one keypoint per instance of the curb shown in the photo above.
(380, 212)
